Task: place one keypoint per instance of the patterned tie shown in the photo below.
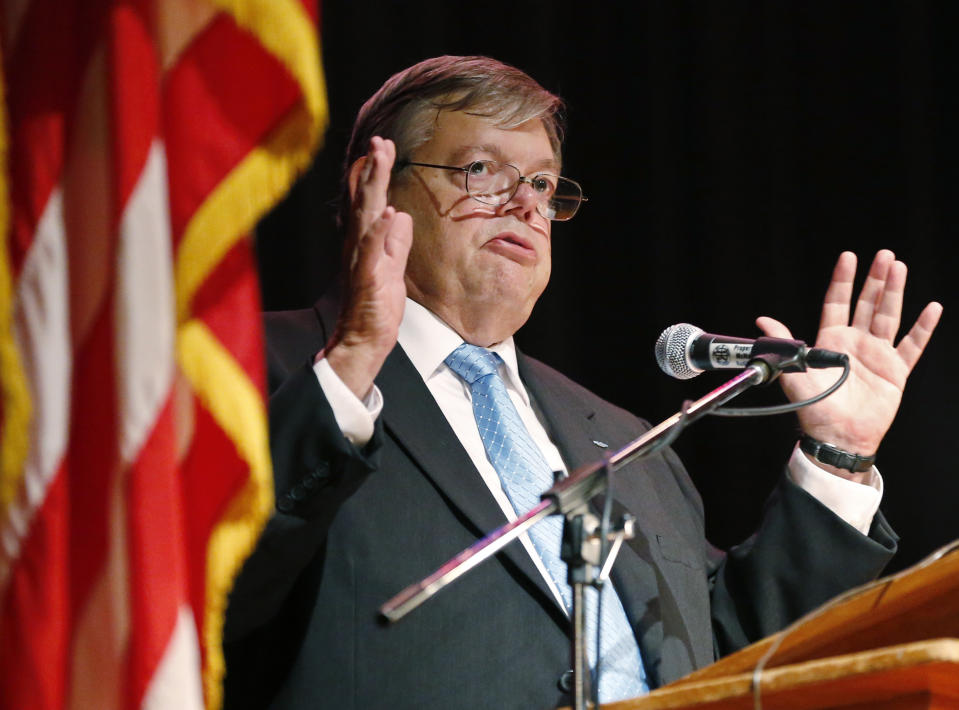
(525, 475)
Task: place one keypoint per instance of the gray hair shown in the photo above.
(401, 109)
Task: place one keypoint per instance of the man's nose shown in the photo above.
(523, 203)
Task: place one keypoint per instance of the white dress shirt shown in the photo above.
(427, 341)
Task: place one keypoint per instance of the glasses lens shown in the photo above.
(491, 182)
(495, 183)
(564, 200)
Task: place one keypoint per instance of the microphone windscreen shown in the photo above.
(672, 350)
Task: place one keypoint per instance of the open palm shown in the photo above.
(859, 413)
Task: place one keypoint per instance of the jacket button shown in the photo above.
(284, 504)
(565, 682)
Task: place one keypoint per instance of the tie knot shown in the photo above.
(471, 362)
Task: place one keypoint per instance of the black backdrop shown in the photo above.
(730, 151)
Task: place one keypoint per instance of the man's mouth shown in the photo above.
(513, 246)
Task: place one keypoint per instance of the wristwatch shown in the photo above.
(834, 456)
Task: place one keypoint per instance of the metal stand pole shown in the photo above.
(581, 677)
(577, 553)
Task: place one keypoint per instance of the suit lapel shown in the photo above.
(639, 576)
(412, 417)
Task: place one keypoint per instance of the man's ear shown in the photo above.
(354, 176)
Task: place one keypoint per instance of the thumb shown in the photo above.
(773, 328)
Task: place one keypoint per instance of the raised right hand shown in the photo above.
(377, 246)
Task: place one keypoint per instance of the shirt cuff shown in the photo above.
(354, 416)
(856, 503)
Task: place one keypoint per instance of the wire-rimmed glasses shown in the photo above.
(494, 183)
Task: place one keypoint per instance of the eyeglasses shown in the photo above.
(495, 183)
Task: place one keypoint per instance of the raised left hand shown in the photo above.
(857, 415)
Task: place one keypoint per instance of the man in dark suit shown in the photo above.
(382, 472)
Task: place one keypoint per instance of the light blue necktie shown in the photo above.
(525, 475)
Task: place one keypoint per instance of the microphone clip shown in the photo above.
(774, 364)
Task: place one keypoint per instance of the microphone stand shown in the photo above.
(570, 497)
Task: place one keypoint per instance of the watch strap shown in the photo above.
(833, 456)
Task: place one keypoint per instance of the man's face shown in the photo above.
(475, 264)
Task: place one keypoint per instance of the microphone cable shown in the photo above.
(783, 408)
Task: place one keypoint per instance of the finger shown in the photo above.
(379, 180)
(390, 148)
(399, 239)
(872, 290)
(370, 245)
(886, 318)
(365, 199)
(914, 343)
(773, 328)
(835, 306)
(374, 180)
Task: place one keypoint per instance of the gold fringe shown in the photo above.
(288, 32)
(226, 216)
(232, 209)
(238, 407)
(14, 392)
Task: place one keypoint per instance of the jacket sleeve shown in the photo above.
(315, 469)
(801, 556)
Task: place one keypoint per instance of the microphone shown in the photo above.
(684, 351)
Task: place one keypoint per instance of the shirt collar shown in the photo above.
(427, 340)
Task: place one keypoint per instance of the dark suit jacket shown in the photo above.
(354, 527)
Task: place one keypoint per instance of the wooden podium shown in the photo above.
(891, 645)
(910, 676)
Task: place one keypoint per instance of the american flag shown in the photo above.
(141, 141)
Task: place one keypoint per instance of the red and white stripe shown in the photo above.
(95, 602)
(146, 476)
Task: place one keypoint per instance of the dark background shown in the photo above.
(730, 151)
